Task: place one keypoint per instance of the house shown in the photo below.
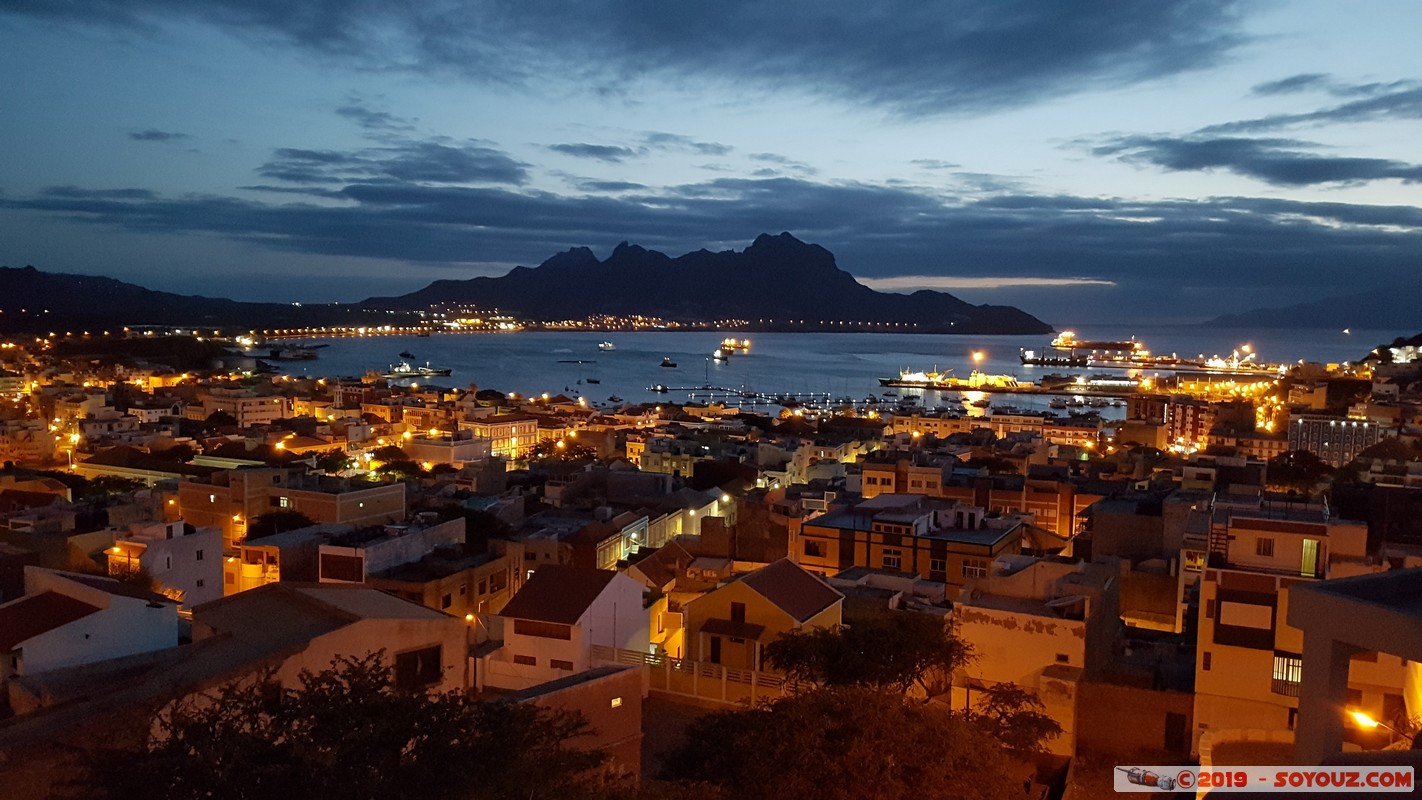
(731, 624)
(230, 499)
(313, 623)
(1041, 624)
(177, 555)
(66, 619)
(937, 540)
(551, 626)
(1249, 654)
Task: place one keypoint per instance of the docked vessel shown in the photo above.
(943, 380)
(606, 346)
(407, 370)
(732, 343)
(1068, 351)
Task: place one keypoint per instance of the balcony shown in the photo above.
(1285, 687)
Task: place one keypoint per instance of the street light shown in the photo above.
(1366, 721)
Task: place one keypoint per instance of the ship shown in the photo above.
(1132, 354)
(606, 346)
(945, 381)
(732, 343)
(294, 352)
(721, 355)
(667, 362)
(405, 370)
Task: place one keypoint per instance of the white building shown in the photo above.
(66, 619)
(560, 614)
(176, 555)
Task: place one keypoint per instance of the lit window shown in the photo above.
(617, 702)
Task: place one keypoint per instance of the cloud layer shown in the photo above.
(913, 59)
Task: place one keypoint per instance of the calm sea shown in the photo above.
(837, 364)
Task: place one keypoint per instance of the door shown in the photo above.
(715, 650)
(1309, 568)
(1177, 735)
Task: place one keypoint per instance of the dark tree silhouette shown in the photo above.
(347, 732)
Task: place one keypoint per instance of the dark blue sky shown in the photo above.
(1122, 160)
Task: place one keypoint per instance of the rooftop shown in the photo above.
(558, 593)
(28, 617)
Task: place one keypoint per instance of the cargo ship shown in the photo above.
(1132, 355)
(943, 380)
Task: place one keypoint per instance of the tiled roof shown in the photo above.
(558, 593)
(799, 593)
(28, 617)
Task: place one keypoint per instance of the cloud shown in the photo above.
(674, 141)
(910, 283)
(914, 60)
(1283, 162)
(611, 154)
(152, 135)
(1375, 101)
(1294, 83)
(934, 163)
(607, 186)
(373, 120)
(404, 160)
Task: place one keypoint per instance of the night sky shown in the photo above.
(1125, 160)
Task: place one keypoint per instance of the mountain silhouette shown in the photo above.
(776, 282)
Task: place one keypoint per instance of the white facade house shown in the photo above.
(67, 619)
(176, 555)
(560, 614)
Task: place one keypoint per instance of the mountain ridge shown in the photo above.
(776, 279)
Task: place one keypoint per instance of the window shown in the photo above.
(1264, 547)
(814, 549)
(529, 556)
(1063, 658)
(1209, 609)
(463, 590)
(1205, 661)
(199, 555)
(417, 669)
(617, 702)
(229, 578)
(284, 502)
(738, 612)
(560, 664)
(527, 661)
(446, 601)
(893, 559)
(939, 565)
(201, 583)
(1288, 672)
(483, 587)
(167, 562)
(975, 567)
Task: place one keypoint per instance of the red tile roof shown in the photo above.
(28, 617)
(558, 593)
(799, 593)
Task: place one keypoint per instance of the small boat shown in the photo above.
(667, 362)
(891, 394)
(720, 356)
(605, 346)
(407, 355)
(659, 388)
(594, 380)
(1058, 402)
(407, 370)
(614, 399)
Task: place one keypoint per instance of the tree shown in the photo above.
(279, 521)
(220, 419)
(563, 450)
(1299, 470)
(894, 651)
(347, 732)
(845, 743)
(333, 461)
(1015, 717)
